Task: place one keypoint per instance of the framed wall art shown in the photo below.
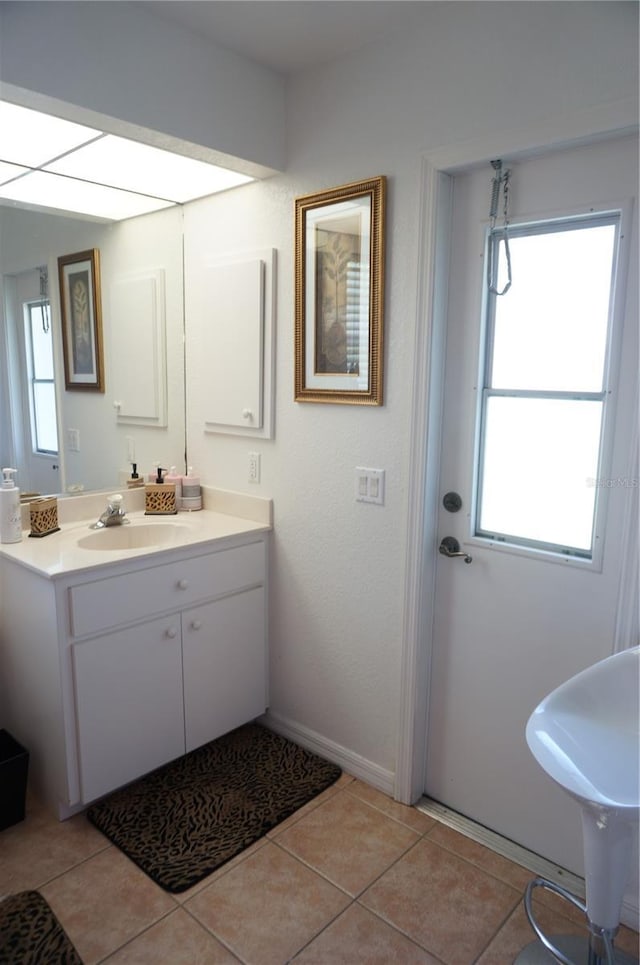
(339, 294)
(81, 313)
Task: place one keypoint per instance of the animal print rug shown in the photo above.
(183, 821)
(30, 934)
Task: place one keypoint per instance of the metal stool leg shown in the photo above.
(568, 949)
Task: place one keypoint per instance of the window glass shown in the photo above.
(41, 343)
(551, 327)
(44, 405)
(543, 398)
(540, 463)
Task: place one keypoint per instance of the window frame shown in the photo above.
(617, 215)
(28, 307)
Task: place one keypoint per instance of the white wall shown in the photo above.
(471, 70)
(338, 565)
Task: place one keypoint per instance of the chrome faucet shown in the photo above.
(114, 515)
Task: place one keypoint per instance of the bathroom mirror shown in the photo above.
(140, 416)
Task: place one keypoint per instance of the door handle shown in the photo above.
(451, 547)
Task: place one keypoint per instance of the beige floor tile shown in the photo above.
(348, 841)
(517, 933)
(519, 877)
(447, 905)
(41, 847)
(628, 941)
(104, 902)
(268, 907)
(407, 815)
(357, 936)
(508, 871)
(175, 940)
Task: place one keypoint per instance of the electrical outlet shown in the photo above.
(370, 485)
(254, 467)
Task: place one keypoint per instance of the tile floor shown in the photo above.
(351, 878)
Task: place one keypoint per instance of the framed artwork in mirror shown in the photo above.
(339, 294)
(81, 315)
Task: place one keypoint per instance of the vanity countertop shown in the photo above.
(226, 515)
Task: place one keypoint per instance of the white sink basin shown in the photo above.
(136, 536)
(586, 733)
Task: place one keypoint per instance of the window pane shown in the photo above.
(539, 472)
(41, 342)
(551, 326)
(44, 403)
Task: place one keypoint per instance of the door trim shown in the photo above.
(436, 180)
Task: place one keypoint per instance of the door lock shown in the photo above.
(452, 502)
(451, 547)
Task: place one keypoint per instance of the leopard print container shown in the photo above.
(43, 516)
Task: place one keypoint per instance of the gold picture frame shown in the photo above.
(339, 294)
(81, 314)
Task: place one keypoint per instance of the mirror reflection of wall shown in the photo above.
(140, 417)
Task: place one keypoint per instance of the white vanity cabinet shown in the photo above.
(155, 657)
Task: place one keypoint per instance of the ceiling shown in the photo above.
(290, 35)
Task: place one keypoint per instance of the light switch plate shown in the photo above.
(254, 467)
(370, 485)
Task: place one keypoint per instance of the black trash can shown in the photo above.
(14, 765)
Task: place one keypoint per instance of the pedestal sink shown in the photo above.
(586, 736)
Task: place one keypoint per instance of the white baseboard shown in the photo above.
(349, 761)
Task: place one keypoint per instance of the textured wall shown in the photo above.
(338, 566)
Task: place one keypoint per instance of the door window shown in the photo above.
(541, 440)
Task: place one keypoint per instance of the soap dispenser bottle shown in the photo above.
(10, 509)
(134, 481)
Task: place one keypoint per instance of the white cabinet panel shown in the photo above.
(138, 332)
(230, 354)
(224, 659)
(232, 349)
(128, 690)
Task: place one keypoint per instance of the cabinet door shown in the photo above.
(224, 665)
(128, 689)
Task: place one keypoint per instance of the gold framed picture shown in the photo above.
(339, 294)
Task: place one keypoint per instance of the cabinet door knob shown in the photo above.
(196, 624)
(172, 632)
(183, 584)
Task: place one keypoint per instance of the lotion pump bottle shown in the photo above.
(174, 477)
(10, 509)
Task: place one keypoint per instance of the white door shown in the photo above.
(519, 620)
